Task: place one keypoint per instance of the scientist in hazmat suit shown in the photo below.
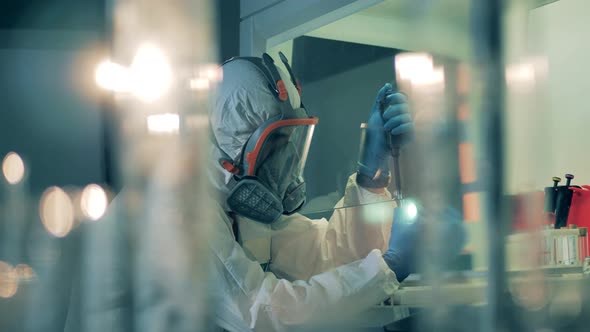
(274, 268)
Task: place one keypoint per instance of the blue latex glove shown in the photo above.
(389, 115)
(451, 238)
(401, 256)
(397, 119)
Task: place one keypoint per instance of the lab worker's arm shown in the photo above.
(366, 216)
(264, 302)
(302, 247)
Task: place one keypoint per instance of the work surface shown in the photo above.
(472, 291)
(468, 289)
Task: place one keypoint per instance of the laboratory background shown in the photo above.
(106, 207)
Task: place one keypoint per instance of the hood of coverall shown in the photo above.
(243, 102)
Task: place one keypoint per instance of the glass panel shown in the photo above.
(126, 252)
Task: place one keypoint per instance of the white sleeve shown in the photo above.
(266, 303)
(302, 247)
(364, 217)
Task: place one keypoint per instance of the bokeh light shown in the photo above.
(57, 212)
(199, 83)
(212, 72)
(13, 168)
(152, 75)
(163, 123)
(93, 202)
(24, 272)
(113, 77)
(411, 209)
(8, 280)
(206, 77)
(520, 77)
(436, 76)
(149, 77)
(410, 65)
(418, 68)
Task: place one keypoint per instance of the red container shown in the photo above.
(580, 209)
(579, 215)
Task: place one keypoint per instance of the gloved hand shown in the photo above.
(451, 238)
(389, 117)
(401, 256)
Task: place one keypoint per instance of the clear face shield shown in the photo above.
(274, 159)
(281, 162)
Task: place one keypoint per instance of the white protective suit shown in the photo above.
(318, 269)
